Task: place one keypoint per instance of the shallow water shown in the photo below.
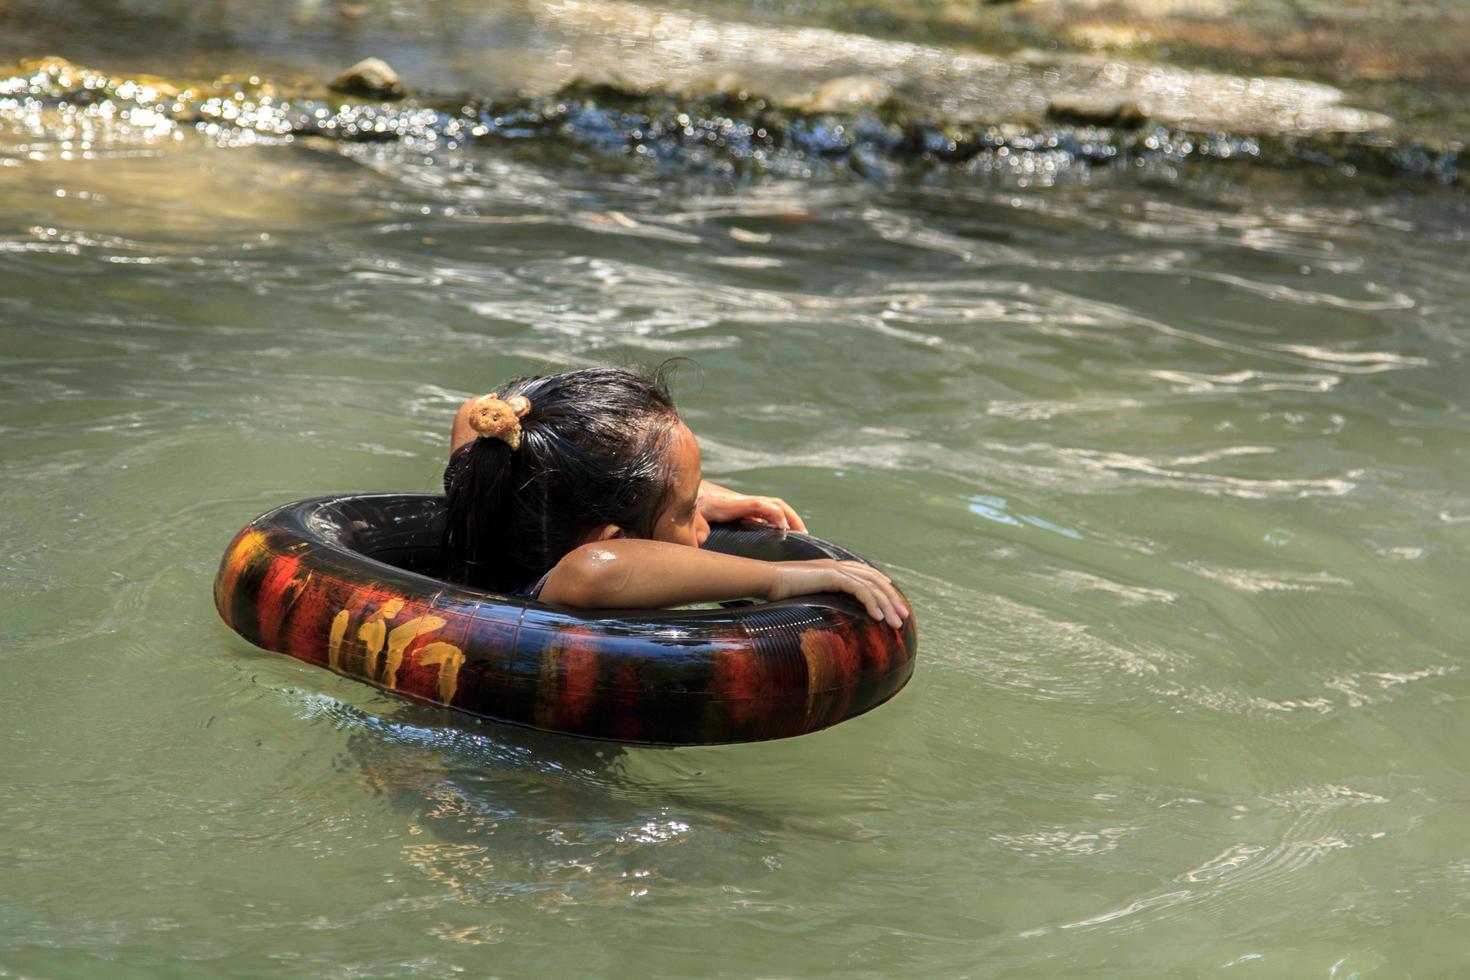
(1174, 473)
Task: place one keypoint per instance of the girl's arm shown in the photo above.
(637, 573)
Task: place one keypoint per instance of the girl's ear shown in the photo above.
(605, 533)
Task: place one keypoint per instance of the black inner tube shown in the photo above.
(319, 580)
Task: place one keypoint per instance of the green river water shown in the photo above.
(1174, 469)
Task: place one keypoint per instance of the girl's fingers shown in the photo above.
(792, 517)
(899, 605)
(896, 610)
(894, 597)
(776, 514)
(878, 595)
(845, 581)
(864, 594)
(732, 506)
(881, 605)
(765, 509)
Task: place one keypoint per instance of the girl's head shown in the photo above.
(602, 454)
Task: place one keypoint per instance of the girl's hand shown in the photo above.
(717, 503)
(864, 582)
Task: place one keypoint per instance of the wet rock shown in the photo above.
(62, 76)
(849, 93)
(48, 65)
(1095, 110)
(666, 50)
(370, 78)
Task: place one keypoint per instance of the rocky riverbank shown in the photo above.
(1059, 125)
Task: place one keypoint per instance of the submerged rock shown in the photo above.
(51, 65)
(1096, 110)
(729, 86)
(370, 78)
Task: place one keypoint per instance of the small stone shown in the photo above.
(370, 78)
(847, 94)
(1098, 35)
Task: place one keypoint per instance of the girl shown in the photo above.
(585, 489)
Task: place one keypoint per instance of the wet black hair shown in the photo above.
(594, 451)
